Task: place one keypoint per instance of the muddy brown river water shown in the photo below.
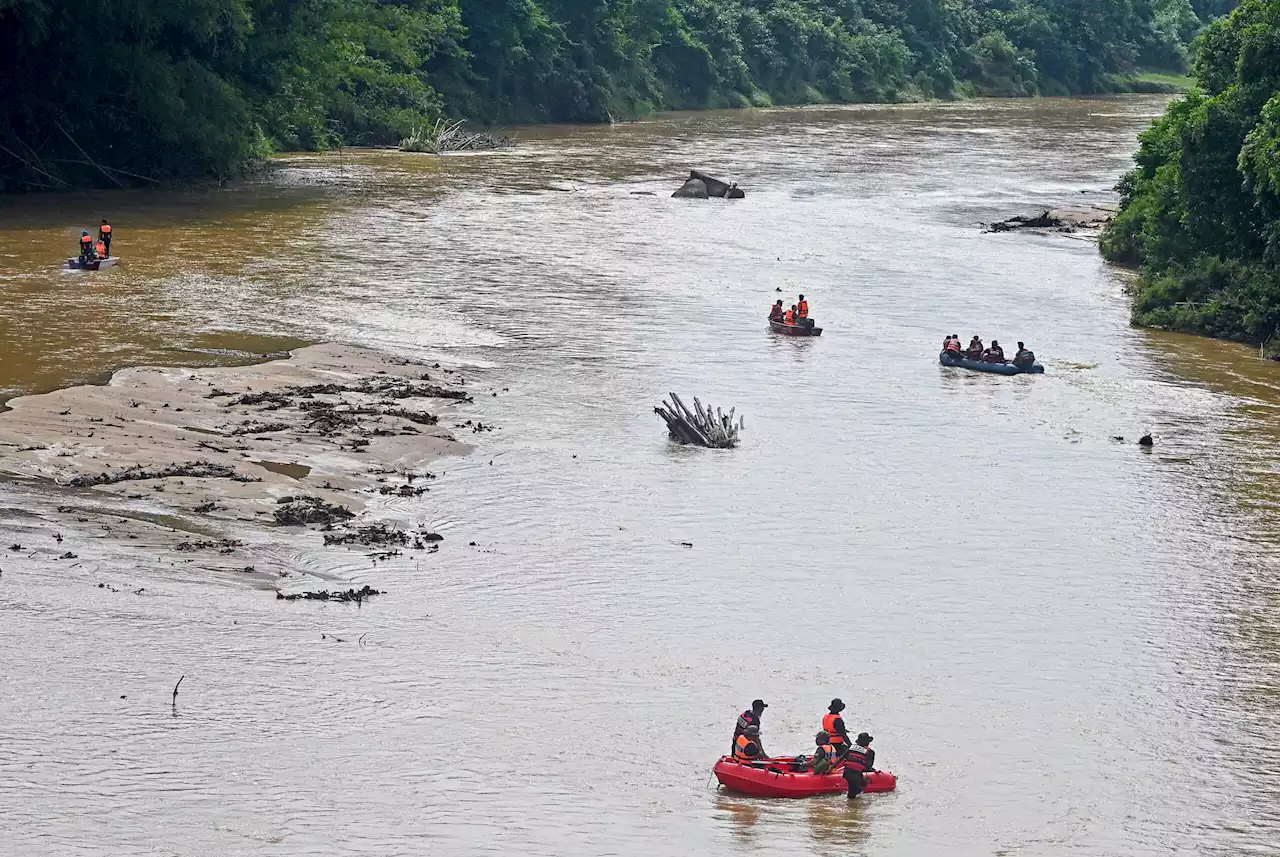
(1064, 645)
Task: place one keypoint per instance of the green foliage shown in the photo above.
(176, 90)
(1200, 213)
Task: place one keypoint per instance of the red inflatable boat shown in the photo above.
(775, 778)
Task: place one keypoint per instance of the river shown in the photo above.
(1062, 644)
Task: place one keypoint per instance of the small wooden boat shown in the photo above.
(96, 265)
(994, 368)
(774, 778)
(793, 329)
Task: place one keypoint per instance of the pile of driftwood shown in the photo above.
(446, 136)
(701, 426)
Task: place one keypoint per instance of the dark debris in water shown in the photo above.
(356, 595)
(222, 545)
(192, 469)
(294, 511)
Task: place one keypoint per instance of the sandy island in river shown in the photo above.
(306, 440)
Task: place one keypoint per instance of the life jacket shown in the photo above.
(788, 317)
(804, 309)
(953, 345)
(857, 759)
(829, 726)
(86, 240)
(775, 312)
(100, 248)
(105, 229)
(830, 752)
(740, 748)
(1025, 356)
(745, 719)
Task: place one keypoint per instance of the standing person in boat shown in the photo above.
(1024, 358)
(775, 312)
(748, 718)
(746, 747)
(86, 246)
(833, 725)
(859, 760)
(994, 354)
(104, 236)
(802, 313)
(975, 349)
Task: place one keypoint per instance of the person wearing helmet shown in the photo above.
(750, 717)
(833, 724)
(747, 745)
(826, 756)
(859, 759)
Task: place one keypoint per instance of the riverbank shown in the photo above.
(201, 461)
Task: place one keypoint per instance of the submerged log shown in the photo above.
(700, 426)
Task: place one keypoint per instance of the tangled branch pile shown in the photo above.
(446, 136)
(701, 426)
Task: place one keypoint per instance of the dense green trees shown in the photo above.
(1201, 212)
(129, 91)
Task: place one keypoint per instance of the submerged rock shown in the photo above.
(692, 189)
(1058, 220)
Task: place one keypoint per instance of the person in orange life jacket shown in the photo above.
(748, 718)
(994, 354)
(104, 235)
(1024, 357)
(101, 249)
(826, 756)
(789, 317)
(746, 746)
(86, 246)
(859, 760)
(833, 724)
(775, 312)
(952, 346)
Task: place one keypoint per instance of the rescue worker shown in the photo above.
(975, 349)
(86, 246)
(101, 249)
(775, 312)
(859, 760)
(789, 317)
(104, 236)
(994, 354)
(802, 308)
(833, 724)
(826, 756)
(750, 717)
(746, 747)
(952, 346)
(1024, 358)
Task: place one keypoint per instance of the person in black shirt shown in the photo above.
(750, 717)
(859, 760)
(1024, 358)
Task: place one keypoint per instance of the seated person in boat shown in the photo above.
(746, 747)
(776, 311)
(994, 354)
(789, 317)
(1024, 358)
(100, 249)
(86, 246)
(859, 760)
(951, 345)
(975, 349)
(826, 756)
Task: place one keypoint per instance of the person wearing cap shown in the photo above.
(750, 717)
(859, 759)
(747, 745)
(826, 756)
(833, 724)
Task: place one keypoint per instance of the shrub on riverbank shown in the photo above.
(158, 91)
(1200, 213)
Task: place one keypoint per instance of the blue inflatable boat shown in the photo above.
(995, 368)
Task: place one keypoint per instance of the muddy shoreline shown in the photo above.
(212, 465)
